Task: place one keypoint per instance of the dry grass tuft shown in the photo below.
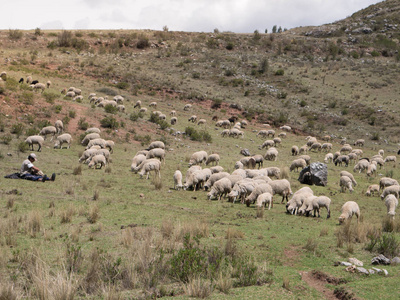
(197, 228)
(77, 170)
(311, 245)
(157, 182)
(285, 173)
(94, 214)
(198, 288)
(260, 212)
(127, 237)
(167, 229)
(96, 195)
(7, 292)
(108, 170)
(286, 283)
(324, 231)
(233, 233)
(34, 223)
(224, 283)
(10, 203)
(67, 214)
(390, 225)
(353, 233)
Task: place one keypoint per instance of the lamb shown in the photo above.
(92, 130)
(62, 139)
(391, 190)
(202, 122)
(187, 107)
(390, 158)
(282, 135)
(345, 149)
(214, 178)
(361, 166)
(59, 125)
(198, 158)
(346, 183)
(317, 203)
(213, 158)
(391, 203)
(342, 159)
(359, 142)
(381, 152)
(298, 163)
(138, 104)
(97, 160)
(262, 133)
(328, 158)
(70, 94)
(303, 149)
(147, 166)
(89, 137)
(178, 180)
(192, 119)
(48, 84)
(306, 207)
(216, 169)
(174, 120)
(99, 142)
(35, 139)
(358, 152)
(156, 153)
(110, 145)
(293, 205)
(348, 174)
(281, 187)
(48, 130)
(220, 188)
(387, 181)
(40, 86)
(136, 161)
(271, 132)
(225, 132)
(259, 189)
(267, 144)
(264, 199)
(379, 161)
(295, 150)
(271, 154)
(156, 144)
(248, 162)
(28, 79)
(352, 157)
(349, 209)
(372, 189)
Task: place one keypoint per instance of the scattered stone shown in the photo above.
(377, 270)
(371, 271)
(356, 262)
(345, 263)
(395, 261)
(380, 260)
(385, 272)
(245, 152)
(351, 269)
(362, 270)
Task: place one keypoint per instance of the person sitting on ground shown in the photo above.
(30, 172)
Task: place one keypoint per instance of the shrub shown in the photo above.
(375, 53)
(22, 147)
(201, 136)
(135, 116)
(108, 91)
(216, 103)
(264, 65)
(57, 108)
(279, 72)
(143, 42)
(15, 34)
(6, 139)
(230, 46)
(17, 129)
(122, 85)
(375, 136)
(65, 39)
(388, 245)
(31, 131)
(82, 124)
(109, 122)
(109, 108)
(26, 97)
(156, 119)
(50, 97)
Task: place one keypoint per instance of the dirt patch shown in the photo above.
(291, 256)
(318, 281)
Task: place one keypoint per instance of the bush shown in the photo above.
(230, 46)
(375, 53)
(72, 114)
(143, 42)
(162, 123)
(15, 34)
(216, 103)
(50, 97)
(107, 91)
(82, 124)
(375, 136)
(17, 129)
(31, 131)
(122, 85)
(109, 122)
(195, 135)
(57, 108)
(23, 147)
(279, 72)
(26, 97)
(6, 139)
(65, 39)
(135, 116)
(109, 108)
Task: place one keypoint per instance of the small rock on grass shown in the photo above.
(356, 262)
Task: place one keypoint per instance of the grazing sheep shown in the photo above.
(258, 190)
(271, 133)
(121, 108)
(346, 183)
(281, 187)
(317, 203)
(277, 141)
(372, 168)
(267, 144)
(285, 128)
(387, 181)
(172, 113)
(162, 116)
(303, 149)
(28, 79)
(259, 159)
(187, 107)
(216, 169)
(352, 157)
(119, 99)
(220, 188)
(262, 133)
(48, 130)
(190, 171)
(59, 125)
(359, 142)
(349, 209)
(311, 140)
(307, 158)
(198, 158)
(70, 94)
(306, 206)
(92, 130)
(282, 135)
(156, 144)
(239, 165)
(391, 190)
(138, 104)
(326, 138)
(293, 205)
(240, 172)
(315, 147)
(213, 158)
(202, 122)
(214, 178)
(358, 152)
(153, 104)
(100, 142)
(328, 158)
(298, 163)
(91, 95)
(345, 149)
(242, 189)
(264, 199)
(271, 154)
(391, 203)
(342, 159)
(248, 162)
(136, 161)
(21, 80)
(178, 180)
(361, 166)
(87, 154)
(381, 152)
(110, 145)
(348, 174)
(326, 147)
(174, 120)
(192, 119)
(35, 139)
(372, 189)
(273, 172)
(156, 153)
(89, 137)
(40, 86)
(143, 110)
(147, 166)
(295, 150)
(97, 160)
(390, 158)
(197, 179)
(62, 139)
(77, 91)
(48, 84)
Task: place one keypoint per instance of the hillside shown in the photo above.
(108, 233)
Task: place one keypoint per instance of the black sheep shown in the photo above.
(35, 81)
(21, 80)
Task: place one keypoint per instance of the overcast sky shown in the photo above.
(241, 16)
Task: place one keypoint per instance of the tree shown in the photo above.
(279, 29)
(266, 30)
(257, 35)
(274, 29)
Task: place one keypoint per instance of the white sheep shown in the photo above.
(197, 179)
(297, 200)
(248, 162)
(282, 135)
(28, 79)
(238, 165)
(326, 147)
(213, 158)
(303, 149)
(48, 130)
(391, 190)
(345, 149)
(147, 166)
(316, 147)
(172, 113)
(281, 187)
(156, 144)
(103, 152)
(174, 120)
(190, 171)
(387, 181)
(63, 139)
(242, 189)
(240, 172)
(99, 142)
(273, 172)
(97, 160)
(202, 122)
(391, 203)
(372, 189)
(35, 139)
(372, 168)
(271, 154)
(214, 178)
(198, 158)
(91, 95)
(359, 142)
(121, 108)
(311, 140)
(328, 158)
(258, 190)
(119, 99)
(295, 150)
(143, 110)
(381, 152)
(87, 154)
(156, 153)
(192, 119)
(277, 141)
(317, 203)
(346, 183)
(361, 166)
(348, 174)
(220, 188)
(110, 145)
(285, 128)
(306, 157)
(349, 209)
(342, 159)
(40, 86)
(298, 163)
(352, 157)
(70, 94)
(358, 152)
(187, 107)
(59, 125)
(136, 161)
(178, 180)
(390, 158)
(259, 159)
(92, 130)
(89, 137)
(379, 161)
(264, 199)
(216, 169)
(138, 104)
(267, 144)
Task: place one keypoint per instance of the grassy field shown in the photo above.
(107, 234)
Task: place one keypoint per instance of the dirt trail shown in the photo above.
(318, 283)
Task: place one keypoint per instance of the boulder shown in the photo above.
(380, 260)
(395, 261)
(362, 271)
(245, 152)
(314, 174)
